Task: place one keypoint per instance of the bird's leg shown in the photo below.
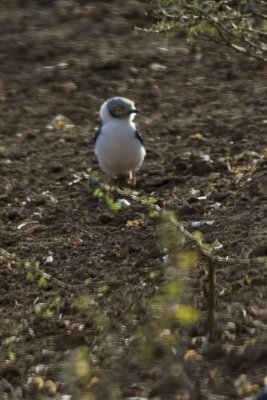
(133, 177)
(110, 180)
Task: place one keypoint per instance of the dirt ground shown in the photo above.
(203, 121)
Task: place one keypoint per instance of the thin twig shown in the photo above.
(221, 28)
(211, 302)
(207, 254)
(109, 282)
(190, 17)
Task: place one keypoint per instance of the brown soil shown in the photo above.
(203, 121)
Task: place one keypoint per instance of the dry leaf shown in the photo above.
(192, 355)
(134, 222)
(198, 136)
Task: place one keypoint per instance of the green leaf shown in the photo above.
(103, 288)
(173, 289)
(11, 355)
(30, 276)
(186, 315)
(48, 313)
(154, 214)
(98, 193)
(42, 282)
(9, 341)
(115, 206)
(188, 258)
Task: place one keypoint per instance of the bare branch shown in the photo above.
(29, 266)
(231, 21)
(221, 29)
(230, 260)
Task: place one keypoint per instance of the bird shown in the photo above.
(118, 146)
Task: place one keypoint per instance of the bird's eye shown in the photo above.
(118, 109)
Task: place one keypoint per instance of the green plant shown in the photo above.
(241, 25)
(155, 340)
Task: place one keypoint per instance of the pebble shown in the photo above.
(123, 202)
(157, 67)
(69, 87)
(197, 224)
(251, 330)
(49, 259)
(40, 368)
(166, 260)
(230, 326)
(136, 398)
(200, 342)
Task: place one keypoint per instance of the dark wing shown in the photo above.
(139, 137)
(98, 132)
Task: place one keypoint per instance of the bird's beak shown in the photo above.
(133, 111)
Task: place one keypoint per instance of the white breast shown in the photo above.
(117, 148)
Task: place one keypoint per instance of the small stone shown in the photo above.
(200, 342)
(40, 368)
(137, 398)
(215, 205)
(123, 202)
(197, 224)
(230, 326)
(49, 259)
(166, 259)
(157, 67)
(228, 337)
(69, 87)
(36, 216)
(63, 65)
(77, 242)
(251, 330)
(37, 199)
(216, 245)
(60, 122)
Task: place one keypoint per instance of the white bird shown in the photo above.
(118, 146)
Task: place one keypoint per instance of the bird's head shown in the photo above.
(119, 108)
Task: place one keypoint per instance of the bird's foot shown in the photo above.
(133, 178)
